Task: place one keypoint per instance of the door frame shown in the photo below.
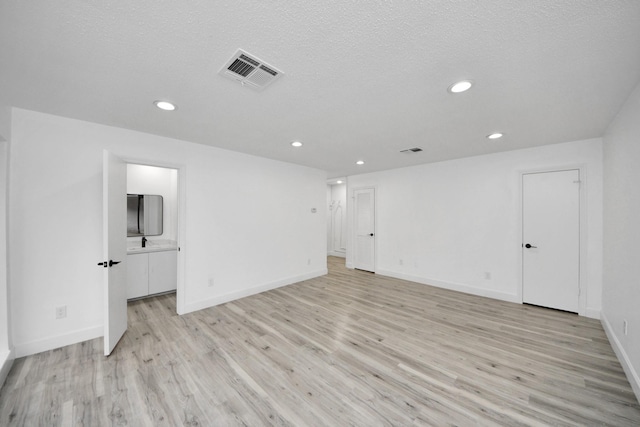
(330, 217)
(351, 197)
(583, 264)
(182, 226)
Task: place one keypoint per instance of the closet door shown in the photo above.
(551, 239)
(365, 230)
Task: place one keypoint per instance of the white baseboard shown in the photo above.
(6, 361)
(38, 346)
(592, 313)
(629, 370)
(452, 286)
(221, 299)
(335, 253)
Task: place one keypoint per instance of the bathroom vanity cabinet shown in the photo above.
(151, 272)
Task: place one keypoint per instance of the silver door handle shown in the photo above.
(529, 246)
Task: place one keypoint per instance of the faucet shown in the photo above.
(144, 242)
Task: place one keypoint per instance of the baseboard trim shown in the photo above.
(221, 299)
(38, 346)
(452, 286)
(6, 361)
(592, 313)
(338, 254)
(629, 370)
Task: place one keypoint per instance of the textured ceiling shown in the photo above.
(363, 80)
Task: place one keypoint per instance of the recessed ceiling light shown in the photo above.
(296, 144)
(338, 182)
(360, 162)
(460, 86)
(495, 135)
(165, 105)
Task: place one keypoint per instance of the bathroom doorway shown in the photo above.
(121, 177)
(153, 230)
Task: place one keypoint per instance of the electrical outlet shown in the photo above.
(309, 261)
(487, 275)
(61, 312)
(401, 262)
(624, 327)
(210, 282)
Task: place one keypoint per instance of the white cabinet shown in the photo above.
(163, 273)
(151, 273)
(137, 275)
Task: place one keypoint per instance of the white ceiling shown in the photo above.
(363, 80)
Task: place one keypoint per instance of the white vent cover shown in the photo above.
(411, 150)
(250, 71)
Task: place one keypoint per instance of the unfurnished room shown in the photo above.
(383, 213)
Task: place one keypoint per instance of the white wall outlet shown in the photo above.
(210, 282)
(487, 275)
(309, 261)
(624, 327)
(61, 312)
(401, 262)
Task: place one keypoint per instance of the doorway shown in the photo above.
(551, 239)
(119, 179)
(364, 213)
(337, 218)
(152, 251)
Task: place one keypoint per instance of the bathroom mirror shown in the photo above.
(144, 215)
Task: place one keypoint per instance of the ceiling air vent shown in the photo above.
(250, 71)
(411, 150)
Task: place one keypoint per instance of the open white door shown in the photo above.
(551, 239)
(114, 214)
(364, 258)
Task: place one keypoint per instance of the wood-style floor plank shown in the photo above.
(350, 348)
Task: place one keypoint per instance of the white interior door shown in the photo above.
(114, 214)
(364, 258)
(551, 239)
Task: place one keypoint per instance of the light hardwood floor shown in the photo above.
(350, 348)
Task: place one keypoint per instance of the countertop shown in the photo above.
(151, 246)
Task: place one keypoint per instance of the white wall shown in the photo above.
(5, 123)
(4, 307)
(6, 347)
(450, 222)
(621, 287)
(249, 225)
(144, 179)
(328, 202)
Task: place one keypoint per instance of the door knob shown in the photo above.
(112, 262)
(528, 246)
(371, 234)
